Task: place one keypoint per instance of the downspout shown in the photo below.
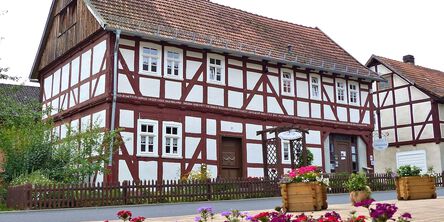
(113, 107)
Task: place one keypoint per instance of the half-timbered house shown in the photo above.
(191, 82)
(409, 113)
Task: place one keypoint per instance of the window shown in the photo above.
(147, 137)
(150, 62)
(315, 87)
(287, 83)
(353, 90)
(340, 91)
(216, 69)
(172, 144)
(174, 65)
(286, 151)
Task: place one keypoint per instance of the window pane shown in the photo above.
(153, 51)
(168, 130)
(314, 80)
(219, 74)
(212, 73)
(146, 50)
(212, 61)
(218, 62)
(175, 146)
(143, 143)
(150, 128)
(146, 63)
(143, 128)
(151, 148)
(175, 130)
(153, 64)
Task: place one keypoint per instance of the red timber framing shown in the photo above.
(162, 108)
(418, 127)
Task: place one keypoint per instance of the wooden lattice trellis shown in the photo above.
(271, 150)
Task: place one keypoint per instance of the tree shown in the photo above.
(29, 144)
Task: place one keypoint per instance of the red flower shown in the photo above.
(138, 219)
(301, 218)
(261, 215)
(124, 215)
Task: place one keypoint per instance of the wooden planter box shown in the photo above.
(416, 187)
(304, 196)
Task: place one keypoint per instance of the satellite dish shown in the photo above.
(290, 135)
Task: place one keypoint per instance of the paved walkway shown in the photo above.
(177, 210)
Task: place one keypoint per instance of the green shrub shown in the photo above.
(357, 182)
(408, 171)
(34, 178)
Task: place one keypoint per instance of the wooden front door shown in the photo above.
(231, 157)
(342, 155)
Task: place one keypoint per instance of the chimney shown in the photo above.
(409, 59)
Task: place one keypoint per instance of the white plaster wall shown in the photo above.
(289, 106)
(402, 95)
(98, 54)
(274, 80)
(254, 153)
(427, 133)
(194, 54)
(383, 70)
(85, 70)
(328, 113)
(402, 115)
(342, 113)
(47, 86)
(84, 92)
(65, 78)
(235, 99)
(173, 90)
(124, 86)
(99, 118)
(399, 81)
(148, 87)
(327, 155)
(213, 170)
(100, 86)
(256, 104)
(75, 69)
(216, 96)
(315, 110)
(191, 144)
(128, 139)
(235, 78)
(192, 67)
(254, 66)
(387, 116)
(128, 56)
(211, 127)
(303, 109)
(252, 130)
(362, 153)
(211, 149)
(417, 94)
(127, 42)
(171, 171)
(195, 94)
(252, 79)
(56, 83)
(234, 62)
(147, 170)
(273, 106)
(124, 173)
(255, 172)
(234, 127)
(193, 124)
(330, 93)
(317, 156)
(126, 118)
(404, 134)
(354, 115)
(302, 89)
(313, 137)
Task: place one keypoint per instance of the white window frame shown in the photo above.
(221, 66)
(318, 84)
(344, 91)
(180, 61)
(290, 80)
(154, 134)
(179, 139)
(356, 90)
(284, 161)
(159, 58)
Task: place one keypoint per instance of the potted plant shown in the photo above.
(411, 185)
(358, 187)
(304, 189)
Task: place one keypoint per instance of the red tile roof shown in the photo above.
(430, 80)
(201, 20)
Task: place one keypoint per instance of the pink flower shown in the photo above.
(138, 219)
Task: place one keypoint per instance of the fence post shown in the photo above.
(125, 192)
(209, 196)
(442, 178)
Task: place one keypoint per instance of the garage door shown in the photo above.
(414, 158)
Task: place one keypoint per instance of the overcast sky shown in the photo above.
(389, 28)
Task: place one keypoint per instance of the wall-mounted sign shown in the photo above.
(380, 144)
(290, 135)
